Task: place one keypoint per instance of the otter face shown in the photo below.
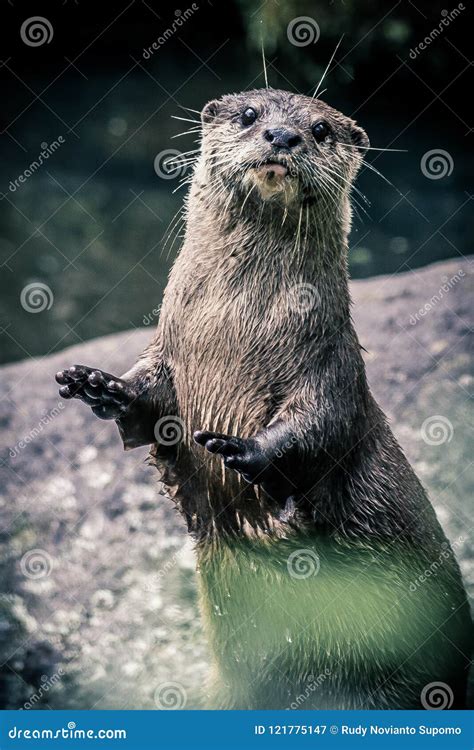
(281, 146)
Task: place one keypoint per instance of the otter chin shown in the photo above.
(272, 178)
(309, 522)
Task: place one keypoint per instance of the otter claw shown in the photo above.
(244, 456)
(108, 396)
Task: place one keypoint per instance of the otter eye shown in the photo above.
(248, 117)
(320, 131)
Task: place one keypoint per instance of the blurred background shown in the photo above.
(95, 86)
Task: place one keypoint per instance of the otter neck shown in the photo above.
(296, 244)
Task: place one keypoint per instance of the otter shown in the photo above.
(312, 531)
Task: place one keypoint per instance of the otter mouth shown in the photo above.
(272, 169)
(273, 178)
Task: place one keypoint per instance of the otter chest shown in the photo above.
(232, 352)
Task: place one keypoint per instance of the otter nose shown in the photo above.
(281, 138)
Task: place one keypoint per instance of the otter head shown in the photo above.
(281, 147)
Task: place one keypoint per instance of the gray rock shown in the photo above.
(97, 574)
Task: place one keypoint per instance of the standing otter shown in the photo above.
(310, 550)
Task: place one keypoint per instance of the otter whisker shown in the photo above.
(350, 184)
(185, 119)
(329, 175)
(176, 162)
(298, 233)
(186, 181)
(179, 227)
(368, 165)
(355, 203)
(307, 226)
(188, 132)
(191, 151)
(178, 216)
(373, 148)
(321, 187)
(264, 66)
(190, 109)
(327, 67)
(246, 199)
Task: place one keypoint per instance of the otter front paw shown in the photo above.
(108, 396)
(244, 456)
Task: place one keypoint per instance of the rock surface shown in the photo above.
(97, 575)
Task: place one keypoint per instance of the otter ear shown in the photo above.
(210, 111)
(360, 138)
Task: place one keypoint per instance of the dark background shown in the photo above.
(90, 222)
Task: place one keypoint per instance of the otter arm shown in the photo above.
(136, 400)
(154, 398)
(312, 431)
